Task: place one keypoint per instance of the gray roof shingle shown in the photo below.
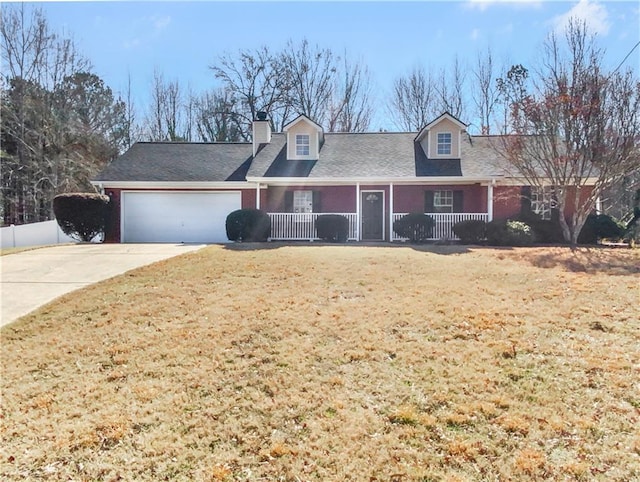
(342, 155)
(180, 162)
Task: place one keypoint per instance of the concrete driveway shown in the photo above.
(31, 279)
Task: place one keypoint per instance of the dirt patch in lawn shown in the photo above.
(333, 363)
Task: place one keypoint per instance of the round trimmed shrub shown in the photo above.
(470, 231)
(332, 227)
(82, 215)
(600, 226)
(509, 233)
(417, 227)
(248, 225)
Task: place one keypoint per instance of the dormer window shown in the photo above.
(444, 143)
(302, 144)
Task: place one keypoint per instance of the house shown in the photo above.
(183, 192)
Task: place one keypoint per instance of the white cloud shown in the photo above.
(475, 34)
(160, 23)
(484, 4)
(594, 14)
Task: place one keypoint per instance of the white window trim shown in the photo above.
(302, 201)
(438, 144)
(542, 201)
(303, 141)
(437, 203)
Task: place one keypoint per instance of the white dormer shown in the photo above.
(304, 138)
(440, 139)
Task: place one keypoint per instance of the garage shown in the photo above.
(177, 216)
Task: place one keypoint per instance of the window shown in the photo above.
(302, 144)
(303, 201)
(444, 143)
(542, 201)
(443, 202)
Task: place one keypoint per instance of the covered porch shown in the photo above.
(372, 208)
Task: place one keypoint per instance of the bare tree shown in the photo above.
(351, 109)
(413, 101)
(485, 91)
(170, 117)
(577, 130)
(215, 117)
(34, 160)
(257, 80)
(311, 74)
(451, 91)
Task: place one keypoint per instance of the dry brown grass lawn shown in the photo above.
(333, 363)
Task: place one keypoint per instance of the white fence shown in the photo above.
(301, 226)
(35, 234)
(443, 222)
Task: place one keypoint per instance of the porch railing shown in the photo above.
(443, 222)
(301, 226)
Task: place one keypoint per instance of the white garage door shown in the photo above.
(177, 217)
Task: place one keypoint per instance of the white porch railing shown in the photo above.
(301, 226)
(443, 222)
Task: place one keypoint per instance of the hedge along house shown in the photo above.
(182, 192)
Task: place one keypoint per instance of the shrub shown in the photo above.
(82, 216)
(471, 231)
(417, 227)
(332, 227)
(509, 233)
(545, 231)
(600, 226)
(248, 225)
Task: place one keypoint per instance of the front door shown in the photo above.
(372, 206)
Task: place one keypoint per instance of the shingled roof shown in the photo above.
(376, 155)
(180, 162)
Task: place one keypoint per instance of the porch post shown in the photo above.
(390, 211)
(258, 196)
(490, 200)
(357, 211)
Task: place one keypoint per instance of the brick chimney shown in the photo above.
(261, 131)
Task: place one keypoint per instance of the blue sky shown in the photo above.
(182, 39)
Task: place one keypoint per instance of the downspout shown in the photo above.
(357, 211)
(390, 212)
(490, 200)
(258, 195)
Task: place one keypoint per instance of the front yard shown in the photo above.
(333, 363)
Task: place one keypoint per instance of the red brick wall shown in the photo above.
(113, 229)
(507, 201)
(408, 199)
(333, 199)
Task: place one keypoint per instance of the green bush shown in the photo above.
(82, 216)
(545, 231)
(417, 227)
(332, 227)
(248, 225)
(600, 226)
(471, 231)
(509, 233)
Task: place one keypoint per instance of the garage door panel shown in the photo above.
(177, 217)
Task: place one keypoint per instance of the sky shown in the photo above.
(129, 40)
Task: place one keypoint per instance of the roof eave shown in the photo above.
(371, 180)
(172, 184)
